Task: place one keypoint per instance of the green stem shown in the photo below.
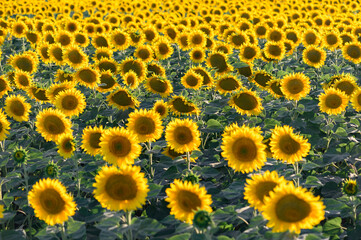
(189, 161)
(151, 160)
(297, 171)
(63, 232)
(129, 222)
(26, 177)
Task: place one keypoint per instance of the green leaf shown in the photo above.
(184, 236)
(214, 125)
(12, 234)
(313, 181)
(154, 189)
(341, 132)
(333, 226)
(312, 237)
(76, 229)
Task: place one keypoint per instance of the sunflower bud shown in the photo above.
(191, 177)
(350, 187)
(202, 220)
(52, 170)
(20, 155)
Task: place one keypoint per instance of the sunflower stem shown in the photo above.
(189, 161)
(129, 222)
(296, 167)
(26, 177)
(63, 232)
(151, 160)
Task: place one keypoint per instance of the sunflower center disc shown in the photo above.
(333, 101)
(94, 140)
(292, 209)
(288, 145)
(246, 101)
(295, 86)
(17, 108)
(144, 126)
(244, 149)
(263, 189)
(188, 201)
(54, 125)
(314, 56)
(119, 146)
(51, 201)
(121, 187)
(183, 135)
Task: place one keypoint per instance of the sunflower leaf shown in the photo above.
(333, 226)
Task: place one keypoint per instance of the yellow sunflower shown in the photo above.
(274, 87)
(197, 55)
(159, 85)
(179, 105)
(260, 186)
(108, 82)
(26, 62)
(75, 57)
(311, 37)
(163, 49)
(244, 150)
(227, 84)
(71, 102)
(131, 79)
(56, 53)
(4, 126)
(186, 198)
(52, 124)
(17, 108)
(50, 201)
(197, 38)
(332, 40)
(333, 101)
(81, 39)
(161, 108)
(346, 84)
(295, 86)
(207, 77)
(37, 93)
(192, 80)
(4, 86)
(66, 145)
(146, 125)
(122, 100)
(135, 65)
(261, 78)
(314, 56)
(292, 208)
(274, 50)
(144, 52)
(356, 99)
(248, 52)
(88, 77)
(53, 91)
(120, 39)
(246, 102)
(218, 61)
(352, 52)
(22, 79)
(119, 146)
(288, 146)
(121, 189)
(91, 139)
(182, 135)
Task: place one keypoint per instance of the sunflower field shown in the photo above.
(190, 119)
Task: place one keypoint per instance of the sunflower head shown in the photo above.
(314, 56)
(107, 82)
(218, 61)
(228, 84)
(202, 220)
(163, 49)
(17, 108)
(333, 101)
(122, 99)
(274, 50)
(52, 170)
(246, 102)
(192, 80)
(161, 108)
(352, 52)
(159, 85)
(20, 155)
(66, 145)
(88, 77)
(91, 139)
(295, 86)
(181, 106)
(135, 65)
(350, 187)
(249, 52)
(261, 78)
(26, 62)
(70, 101)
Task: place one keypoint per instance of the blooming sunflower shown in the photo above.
(261, 78)
(274, 50)
(352, 52)
(185, 198)
(88, 77)
(333, 101)
(91, 139)
(71, 102)
(120, 39)
(183, 41)
(107, 82)
(182, 135)
(163, 49)
(192, 80)
(4, 126)
(295, 86)
(244, 150)
(246, 102)
(350, 187)
(52, 124)
(314, 56)
(259, 187)
(22, 79)
(53, 90)
(121, 189)
(274, 87)
(197, 55)
(248, 52)
(135, 65)
(159, 85)
(288, 146)
(218, 61)
(161, 108)
(81, 39)
(292, 208)
(4, 86)
(122, 100)
(146, 125)
(197, 38)
(180, 105)
(356, 99)
(346, 84)
(75, 57)
(17, 108)
(37, 93)
(227, 84)
(119, 146)
(207, 78)
(332, 40)
(56, 53)
(26, 62)
(275, 35)
(66, 145)
(131, 79)
(311, 37)
(50, 201)
(145, 53)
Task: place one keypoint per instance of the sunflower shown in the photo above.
(192, 80)
(19, 29)
(274, 87)
(180, 105)
(43, 52)
(71, 102)
(224, 48)
(145, 124)
(274, 50)
(150, 33)
(122, 100)
(49, 37)
(356, 99)
(292, 208)
(88, 76)
(131, 80)
(197, 38)
(171, 32)
(161, 108)
(162, 48)
(246, 102)
(56, 53)
(238, 39)
(54, 89)
(33, 38)
(135, 65)
(288, 146)
(346, 84)
(91, 139)
(4, 126)
(81, 39)
(26, 62)
(75, 57)
(352, 52)
(260, 29)
(311, 37)
(52, 124)
(159, 85)
(121, 189)
(182, 135)
(65, 38)
(295, 86)
(350, 187)
(260, 186)
(50, 201)
(155, 68)
(145, 53)
(244, 150)
(248, 53)
(108, 82)
(332, 40)
(218, 61)
(183, 41)
(275, 35)
(17, 108)
(314, 56)
(100, 40)
(66, 145)
(231, 128)
(197, 55)
(207, 77)
(333, 101)
(22, 80)
(136, 38)
(227, 84)
(37, 93)
(119, 146)
(185, 198)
